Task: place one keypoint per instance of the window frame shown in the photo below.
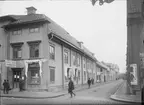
(31, 44)
(54, 77)
(31, 79)
(32, 49)
(17, 32)
(66, 57)
(33, 30)
(52, 54)
(16, 46)
(74, 59)
(16, 50)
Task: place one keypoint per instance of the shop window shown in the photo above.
(34, 70)
(52, 74)
(52, 52)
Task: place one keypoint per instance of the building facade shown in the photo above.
(135, 45)
(42, 53)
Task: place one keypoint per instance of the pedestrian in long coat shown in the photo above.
(8, 87)
(71, 88)
(20, 84)
(5, 86)
(89, 82)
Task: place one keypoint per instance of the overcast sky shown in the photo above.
(102, 28)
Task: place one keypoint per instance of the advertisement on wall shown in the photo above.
(133, 74)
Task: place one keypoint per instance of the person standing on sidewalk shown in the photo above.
(89, 82)
(5, 86)
(71, 88)
(20, 84)
(8, 87)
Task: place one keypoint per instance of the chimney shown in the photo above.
(31, 10)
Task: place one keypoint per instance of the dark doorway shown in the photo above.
(17, 73)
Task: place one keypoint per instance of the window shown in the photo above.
(79, 75)
(78, 59)
(52, 52)
(66, 57)
(74, 58)
(34, 49)
(68, 69)
(52, 74)
(34, 70)
(87, 64)
(84, 75)
(17, 52)
(16, 32)
(34, 30)
(84, 62)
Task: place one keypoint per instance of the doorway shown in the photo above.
(17, 73)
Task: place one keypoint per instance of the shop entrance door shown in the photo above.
(16, 77)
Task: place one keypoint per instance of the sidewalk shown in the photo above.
(120, 95)
(46, 94)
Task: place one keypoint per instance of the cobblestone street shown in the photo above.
(95, 95)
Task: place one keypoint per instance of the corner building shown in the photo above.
(43, 53)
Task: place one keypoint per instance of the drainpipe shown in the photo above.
(8, 50)
(82, 69)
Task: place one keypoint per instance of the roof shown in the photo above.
(102, 65)
(54, 27)
(10, 17)
(61, 32)
(29, 18)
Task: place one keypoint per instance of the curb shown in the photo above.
(34, 97)
(66, 93)
(113, 97)
(117, 98)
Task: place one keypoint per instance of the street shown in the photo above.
(96, 95)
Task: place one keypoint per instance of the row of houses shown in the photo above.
(39, 51)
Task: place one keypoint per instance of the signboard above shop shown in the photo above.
(10, 63)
